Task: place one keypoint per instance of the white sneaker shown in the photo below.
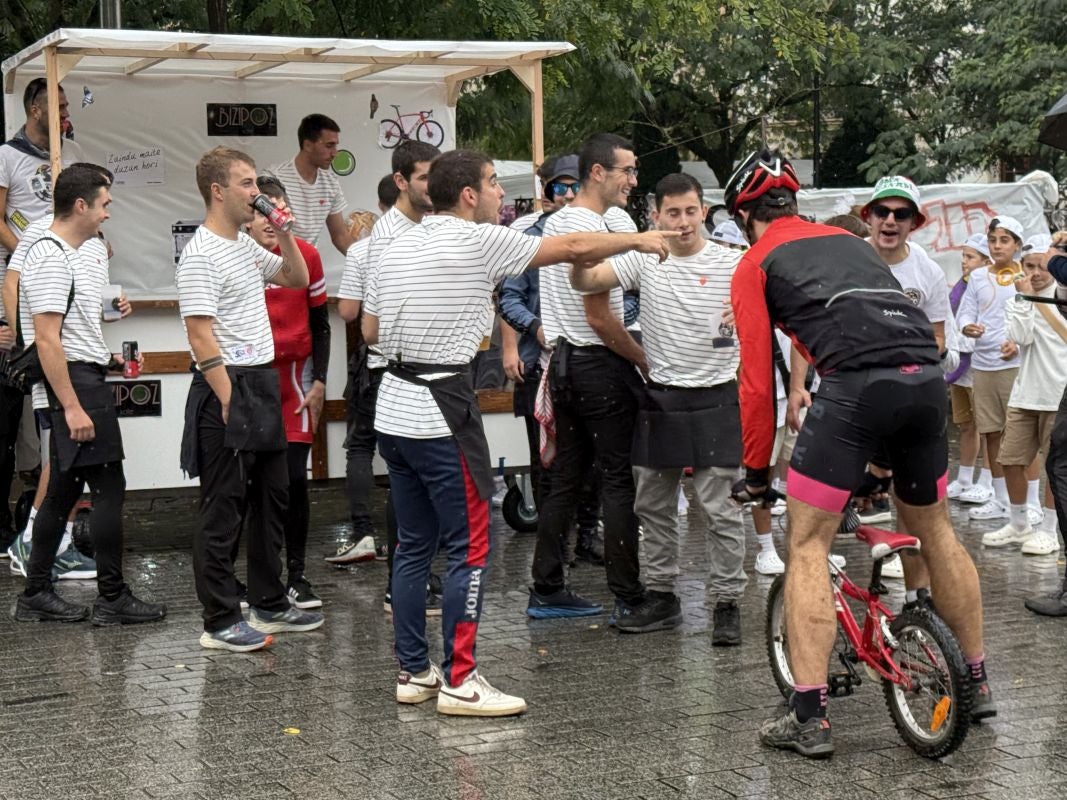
(412, 688)
(1006, 536)
(838, 561)
(1041, 543)
(1034, 515)
(476, 697)
(976, 493)
(994, 509)
(892, 567)
(769, 563)
(778, 509)
(350, 553)
(955, 489)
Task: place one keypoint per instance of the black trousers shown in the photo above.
(1056, 467)
(11, 404)
(360, 444)
(588, 503)
(298, 515)
(233, 483)
(595, 412)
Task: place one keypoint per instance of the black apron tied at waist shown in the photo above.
(455, 397)
(688, 427)
(254, 423)
(98, 401)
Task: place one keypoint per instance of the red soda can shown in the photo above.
(281, 219)
(131, 367)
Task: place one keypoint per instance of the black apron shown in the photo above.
(455, 397)
(679, 427)
(255, 419)
(98, 401)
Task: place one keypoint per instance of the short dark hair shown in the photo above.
(850, 223)
(675, 184)
(312, 126)
(600, 149)
(388, 191)
(272, 187)
(451, 173)
(86, 165)
(76, 183)
(771, 205)
(35, 89)
(410, 153)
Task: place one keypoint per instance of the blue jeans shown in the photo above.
(437, 506)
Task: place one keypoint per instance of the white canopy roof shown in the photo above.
(131, 52)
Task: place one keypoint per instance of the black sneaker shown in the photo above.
(301, 595)
(726, 630)
(47, 606)
(879, 511)
(126, 610)
(811, 739)
(982, 706)
(589, 548)
(434, 602)
(923, 601)
(560, 604)
(660, 611)
(1049, 605)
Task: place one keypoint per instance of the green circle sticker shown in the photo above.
(140, 394)
(344, 163)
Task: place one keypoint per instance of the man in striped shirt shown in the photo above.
(594, 387)
(234, 439)
(428, 305)
(61, 309)
(689, 413)
(312, 187)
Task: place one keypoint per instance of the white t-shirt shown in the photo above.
(562, 309)
(48, 272)
(682, 303)
(28, 180)
(310, 203)
(354, 277)
(224, 279)
(923, 281)
(984, 301)
(618, 221)
(1043, 372)
(389, 226)
(432, 294)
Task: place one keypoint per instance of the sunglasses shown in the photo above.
(901, 214)
(560, 188)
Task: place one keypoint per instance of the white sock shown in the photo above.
(1048, 522)
(1033, 493)
(27, 532)
(965, 475)
(911, 595)
(985, 478)
(1000, 491)
(1017, 516)
(68, 537)
(766, 542)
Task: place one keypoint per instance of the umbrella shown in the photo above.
(1054, 126)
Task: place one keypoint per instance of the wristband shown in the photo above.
(209, 363)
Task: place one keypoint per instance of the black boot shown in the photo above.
(590, 547)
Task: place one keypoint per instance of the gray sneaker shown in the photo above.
(292, 620)
(811, 739)
(982, 707)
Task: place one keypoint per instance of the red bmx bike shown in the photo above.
(915, 655)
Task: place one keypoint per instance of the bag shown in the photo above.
(21, 369)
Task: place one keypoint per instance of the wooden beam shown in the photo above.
(362, 72)
(9, 81)
(263, 66)
(148, 305)
(455, 82)
(172, 362)
(65, 64)
(145, 63)
(531, 79)
(51, 72)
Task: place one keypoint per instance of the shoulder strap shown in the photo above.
(70, 297)
(1054, 320)
(780, 362)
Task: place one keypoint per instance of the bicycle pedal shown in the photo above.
(842, 684)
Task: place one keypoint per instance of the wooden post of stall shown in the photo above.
(537, 118)
(51, 74)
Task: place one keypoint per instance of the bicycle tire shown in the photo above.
(517, 514)
(390, 134)
(430, 132)
(920, 624)
(777, 645)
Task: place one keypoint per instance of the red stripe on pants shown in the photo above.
(465, 638)
(477, 520)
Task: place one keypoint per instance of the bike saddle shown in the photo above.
(885, 543)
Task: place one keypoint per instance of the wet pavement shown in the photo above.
(144, 712)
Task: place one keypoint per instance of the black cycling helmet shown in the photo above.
(758, 174)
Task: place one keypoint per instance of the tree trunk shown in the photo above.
(217, 16)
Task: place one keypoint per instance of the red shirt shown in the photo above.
(288, 308)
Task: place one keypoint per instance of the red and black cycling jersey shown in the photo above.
(838, 302)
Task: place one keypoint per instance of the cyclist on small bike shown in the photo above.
(882, 385)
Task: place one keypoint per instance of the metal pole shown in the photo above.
(816, 165)
(110, 13)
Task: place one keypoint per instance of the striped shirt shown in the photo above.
(48, 272)
(432, 294)
(224, 279)
(682, 303)
(391, 224)
(354, 277)
(562, 309)
(311, 203)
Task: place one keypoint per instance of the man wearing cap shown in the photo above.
(729, 235)
(995, 361)
(1041, 336)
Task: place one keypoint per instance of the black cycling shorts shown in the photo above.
(901, 411)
